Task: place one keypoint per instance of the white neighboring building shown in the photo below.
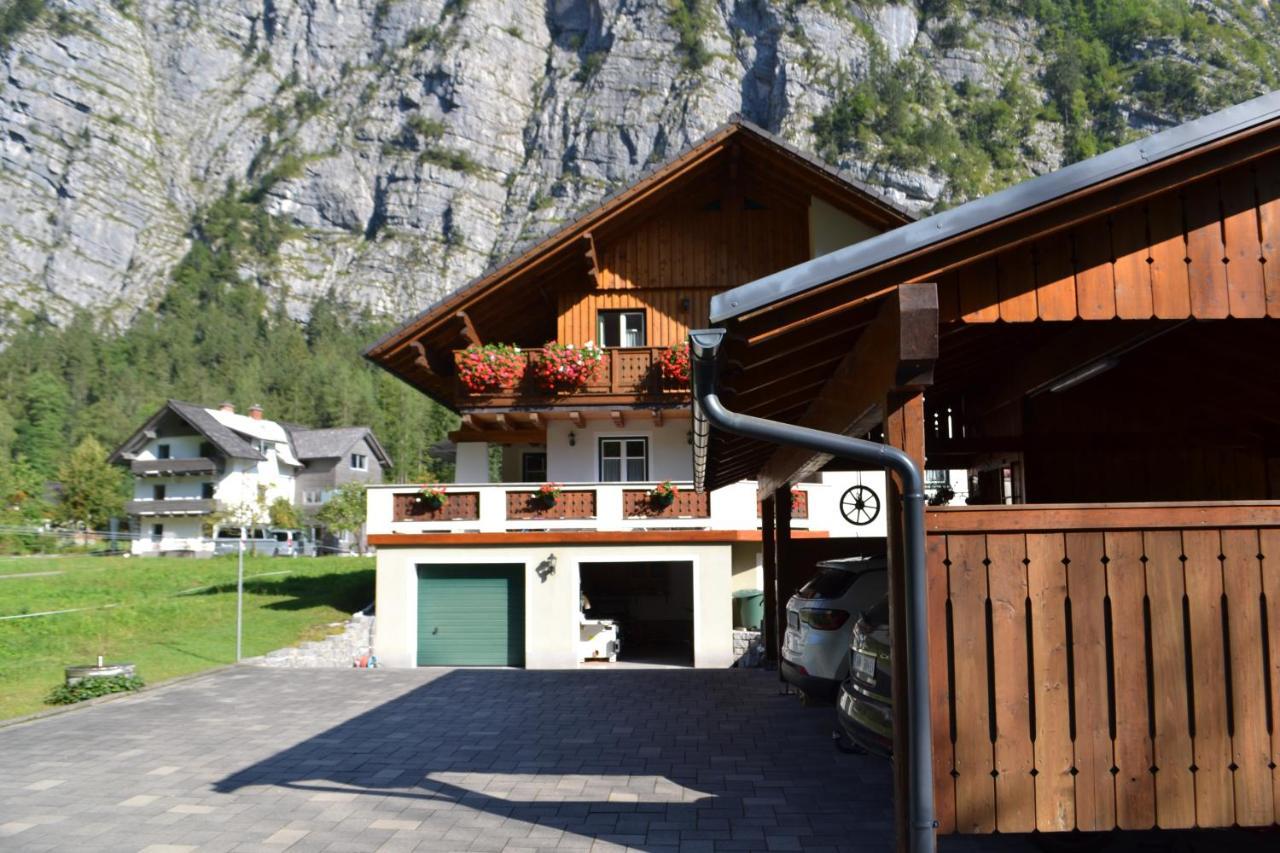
(194, 467)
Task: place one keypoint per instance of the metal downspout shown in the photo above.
(709, 411)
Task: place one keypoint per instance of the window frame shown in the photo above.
(164, 451)
(157, 531)
(207, 491)
(363, 464)
(524, 466)
(618, 315)
(622, 458)
(159, 491)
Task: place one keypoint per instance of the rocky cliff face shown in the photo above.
(411, 144)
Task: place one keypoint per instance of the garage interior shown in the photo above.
(652, 602)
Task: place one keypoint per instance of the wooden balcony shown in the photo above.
(626, 376)
(173, 467)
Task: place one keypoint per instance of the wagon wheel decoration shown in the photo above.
(859, 505)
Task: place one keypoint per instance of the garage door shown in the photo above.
(471, 615)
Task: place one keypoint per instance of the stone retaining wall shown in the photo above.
(335, 652)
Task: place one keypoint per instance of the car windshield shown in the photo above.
(827, 583)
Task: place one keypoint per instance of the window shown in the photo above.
(206, 491)
(157, 531)
(206, 450)
(162, 451)
(313, 497)
(263, 447)
(624, 460)
(157, 493)
(533, 467)
(359, 462)
(620, 328)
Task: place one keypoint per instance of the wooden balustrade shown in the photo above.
(687, 504)
(1099, 667)
(522, 505)
(799, 504)
(624, 374)
(459, 506)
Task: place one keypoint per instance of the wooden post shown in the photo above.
(782, 517)
(903, 429)
(768, 541)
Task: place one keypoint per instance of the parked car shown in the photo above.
(270, 542)
(864, 708)
(815, 647)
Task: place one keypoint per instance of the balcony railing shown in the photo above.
(172, 506)
(625, 375)
(494, 507)
(166, 467)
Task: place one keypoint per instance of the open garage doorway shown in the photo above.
(652, 604)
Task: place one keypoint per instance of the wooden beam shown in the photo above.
(536, 421)
(501, 421)
(493, 436)
(592, 259)
(768, 536)
(897, 350)
(420, 358)
(618, 417)
(657, 417)
(903, 429)
(577, 419)
(783, 561)
(468, 332)
(473, 423)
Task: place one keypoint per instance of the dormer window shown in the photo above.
(620, 328)
(359, 462)
(263, 447)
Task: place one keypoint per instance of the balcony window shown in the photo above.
(624, 460)
(359, 462)
(162, 451)
(206, 491)
(157, 493)
(620, 328)
(533, 467)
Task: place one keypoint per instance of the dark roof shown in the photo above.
(226, 440)
(332, 443)
(993, 208)
(871, 196)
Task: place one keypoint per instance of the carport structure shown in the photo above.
(1098, 347)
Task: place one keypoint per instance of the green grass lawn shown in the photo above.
(172, 616)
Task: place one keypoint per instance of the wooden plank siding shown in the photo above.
(1146, 703)
(671, 265)
(1208, 251)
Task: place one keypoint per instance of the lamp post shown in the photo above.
(240, 596)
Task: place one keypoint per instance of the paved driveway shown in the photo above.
(455, 760)
(485, 760)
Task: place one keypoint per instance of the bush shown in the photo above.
(92, 688)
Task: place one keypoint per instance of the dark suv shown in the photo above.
(864, 708)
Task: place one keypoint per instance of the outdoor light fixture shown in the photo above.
(689, 437)
(546, 568)
(573, 438)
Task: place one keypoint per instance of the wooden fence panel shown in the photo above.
(1014, 756)
(1250, 740)
(1087, 590)
(975, 789)
(1047, 587)
(1096, 679)
(1175, 785)
(1126, 588)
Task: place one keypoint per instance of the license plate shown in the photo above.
(793, 619)
(864, 667)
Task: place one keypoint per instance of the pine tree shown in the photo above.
(42, 425)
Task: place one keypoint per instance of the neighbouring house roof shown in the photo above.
(990, 210)
(232, 434)
(719, 149)
(334, 443)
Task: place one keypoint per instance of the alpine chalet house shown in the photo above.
(193, 466)
(568, 367)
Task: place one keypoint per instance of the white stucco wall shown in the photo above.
(670, 456)
(472, 462)
(748, 566)
(180, 447)
(831, 229)
(551, 604)
(512, 454)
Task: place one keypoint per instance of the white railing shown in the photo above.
(502, 507)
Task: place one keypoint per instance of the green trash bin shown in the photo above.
(748, 609)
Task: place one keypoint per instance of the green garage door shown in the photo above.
(471, 615)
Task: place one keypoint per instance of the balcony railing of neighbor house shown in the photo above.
(165, 467)
(172, 506)
(624, 374)
(498, 507)
(1104, 666)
